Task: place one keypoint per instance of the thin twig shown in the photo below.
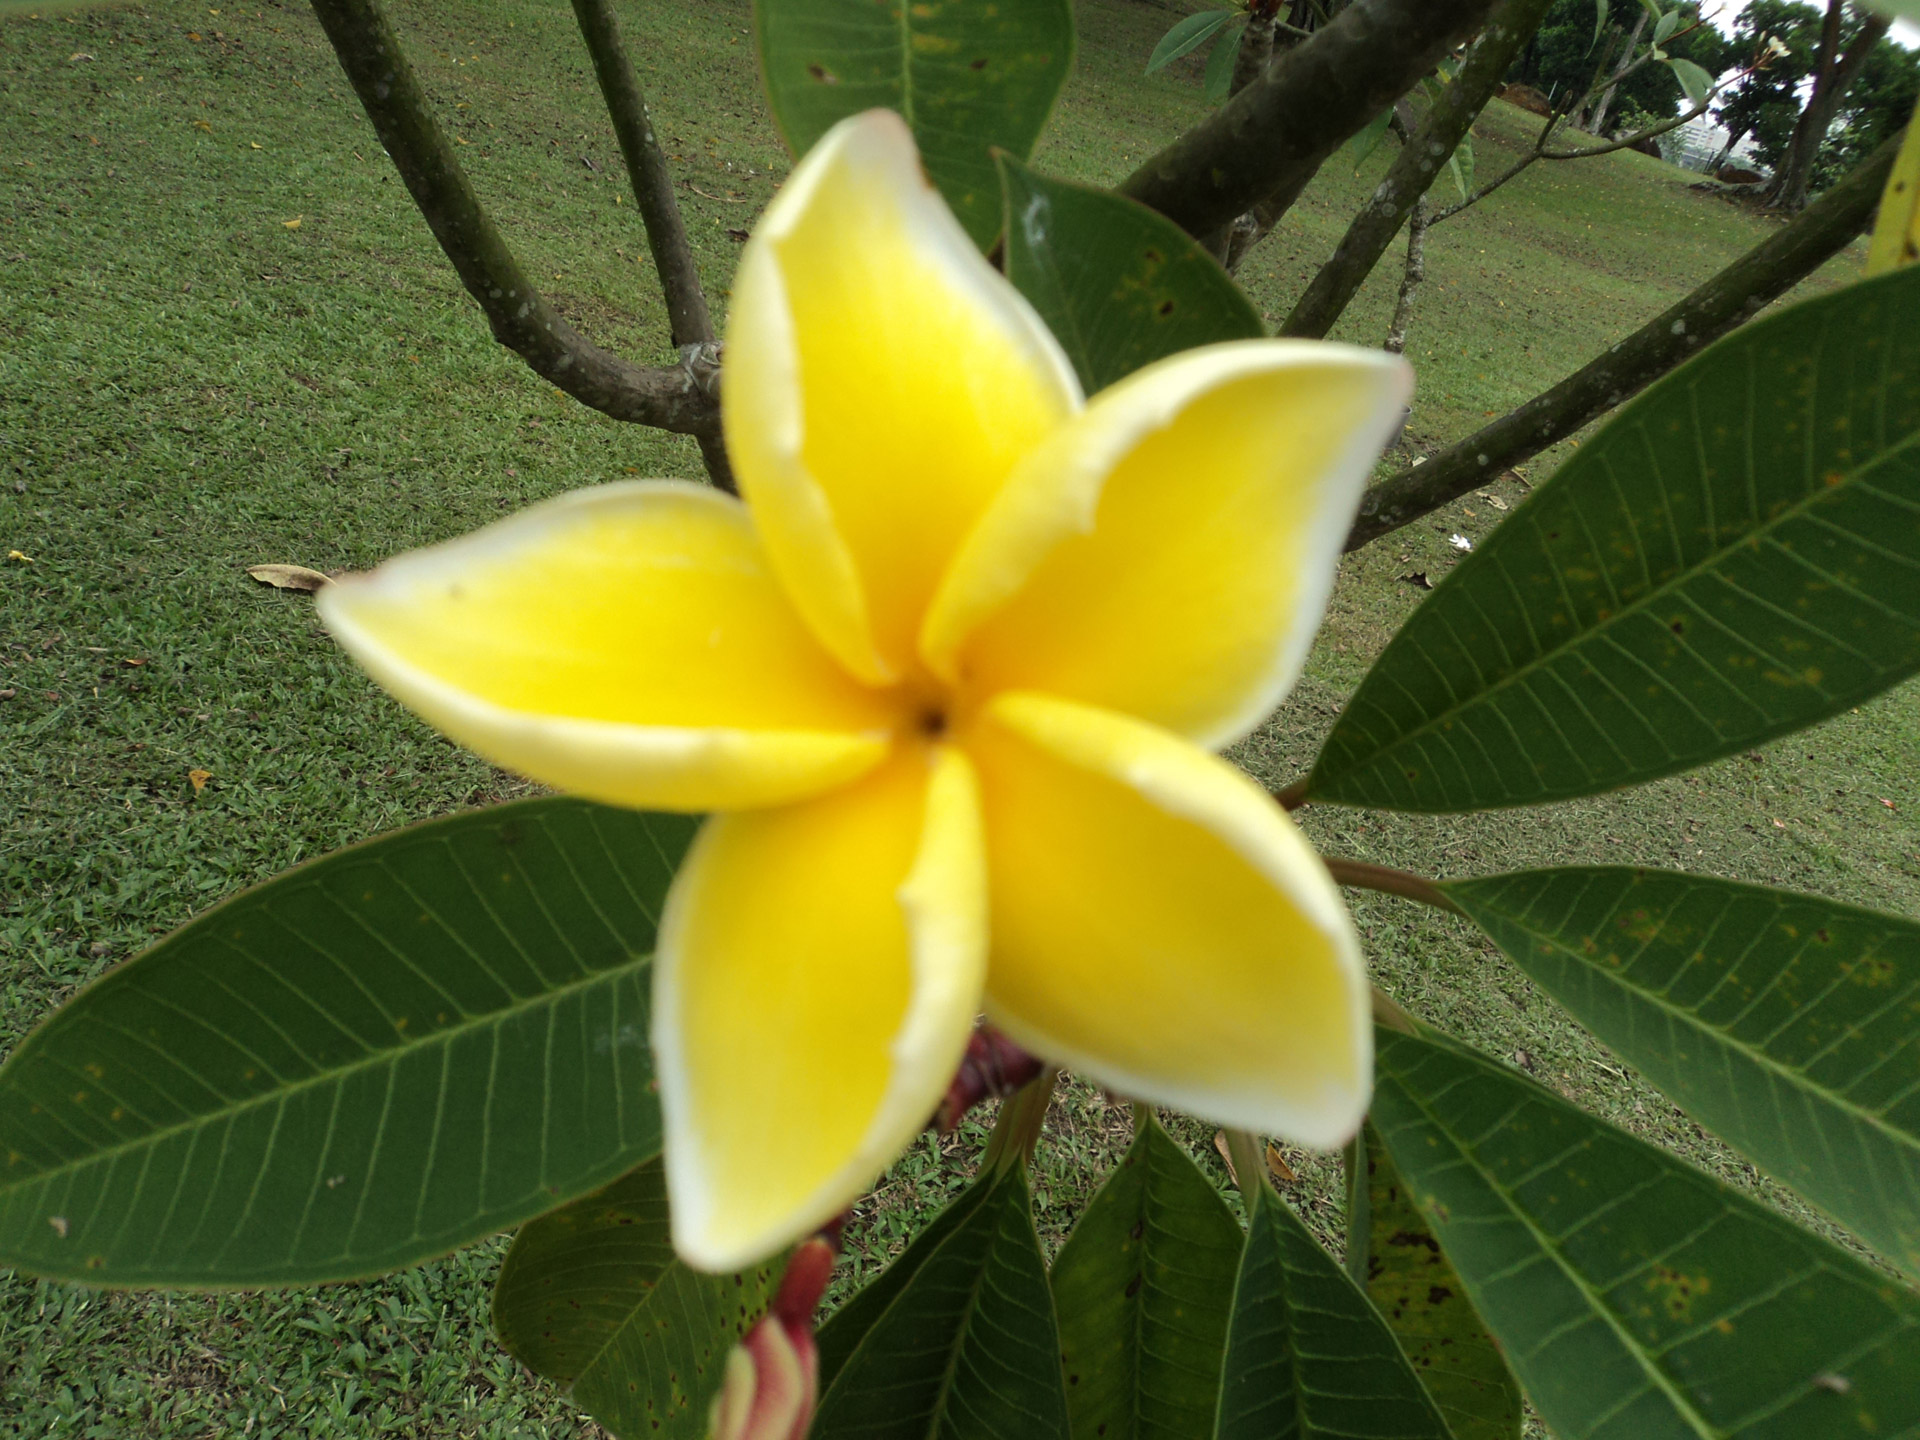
(1728, 299)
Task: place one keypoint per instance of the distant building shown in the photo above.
(1698, 143)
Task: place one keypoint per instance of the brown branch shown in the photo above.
(1437, 136)
(1362, 875)
(1410, 278)
(678, 398)
(687, 319)
(647, 169)
(1727, 300)
(1268, 141)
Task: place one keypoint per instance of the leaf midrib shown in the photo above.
(1552, 1251)
(1683, 577)
(371, 1062)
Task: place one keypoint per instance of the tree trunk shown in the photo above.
(1726, 151)
(1584, 106)
(1605, 103)
(1830, 82)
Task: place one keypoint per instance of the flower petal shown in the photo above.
(626, 642)
(1161, 927)
(820, 967)
(882, 381)
(1169, 553)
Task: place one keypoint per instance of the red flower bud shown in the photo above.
(773, 1374)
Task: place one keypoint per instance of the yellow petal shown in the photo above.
(626, 642)
(1161, 927)
(820, 967)
(882, 380)
(1169, 553)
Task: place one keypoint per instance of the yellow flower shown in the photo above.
(950, 677)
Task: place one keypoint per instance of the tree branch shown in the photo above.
(647, 169)
(1267, 142)
(1436, 137)
(687, 318)
(1730, 298)
(680, 398)
(1410, 278)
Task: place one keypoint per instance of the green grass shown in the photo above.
(189, 385)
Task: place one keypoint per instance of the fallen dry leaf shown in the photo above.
(1277, 1163)
(1419, 580)
(199, 779)
(289, 577)
(293, 224)
(140, 661)
(1220, 1144)
(1887, 803)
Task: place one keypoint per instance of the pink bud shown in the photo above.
(773, 1374)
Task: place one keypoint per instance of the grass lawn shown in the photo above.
(226, 337)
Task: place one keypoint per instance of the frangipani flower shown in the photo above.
(949, 678)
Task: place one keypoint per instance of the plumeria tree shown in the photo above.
(889, 781)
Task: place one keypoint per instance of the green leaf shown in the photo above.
(1218, 81)
(1735, 556)
(1693, 78)
(1362, 146)
(1898, 9)
(848, 1325)
(968, 78)
(1665, 25)
(1788, 1024)
(1119, 285)
(592, 1296)
(1144, 1287)
(967, 1350)
(1406, 1275)
(1308, 1358)
(1636, 1298)
(1187, 36)
(368, 1061)
(1602, 10)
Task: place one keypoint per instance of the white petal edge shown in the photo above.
(649, 766)
(1056, 494)
(1228, 804)
(948, 958)
(828, 592)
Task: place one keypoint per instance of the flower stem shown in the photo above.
(1361, 875)
(1017, 1128)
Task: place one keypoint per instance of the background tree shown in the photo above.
(1561, 59)
(1846, 40)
